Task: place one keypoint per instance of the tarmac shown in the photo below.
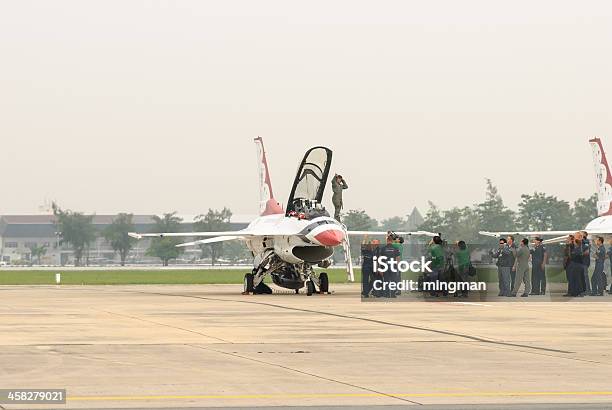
(196, 346)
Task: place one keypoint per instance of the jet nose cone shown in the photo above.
(330, 237)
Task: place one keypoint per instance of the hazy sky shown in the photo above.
(151, 106)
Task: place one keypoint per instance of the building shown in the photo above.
(414, 220)
(20, 233)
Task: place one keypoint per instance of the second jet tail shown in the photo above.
(604, 178)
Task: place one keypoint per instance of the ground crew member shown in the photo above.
(579, 239)
(463, 266)
(521, 267)
(496, 254)
(436, 253)
(398, 243)
(586, 261)
(575, 268)
(338, 185)
(567, 257)
(610, 257)
(503, 254)
(539, 259)
(512, 247)
(598, 281)
(368, 251)
(391, 274)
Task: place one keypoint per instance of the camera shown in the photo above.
(395, 237)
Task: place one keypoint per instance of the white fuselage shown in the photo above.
(292, 232)
(602, 223)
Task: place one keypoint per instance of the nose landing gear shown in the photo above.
(310, 287)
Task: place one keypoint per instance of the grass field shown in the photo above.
(138, 277)
(204, 276)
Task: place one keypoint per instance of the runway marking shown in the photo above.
(382, 322)
(163, 324)
(280, 366)
(257, 360)
(338, 395)
(546, 354)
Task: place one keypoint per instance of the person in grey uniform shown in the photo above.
(598, 280)
(338, 185)
(512, 246)
(539, 259)
(521, 267)
(505, 260)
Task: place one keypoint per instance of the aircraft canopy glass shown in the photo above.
(311, 177)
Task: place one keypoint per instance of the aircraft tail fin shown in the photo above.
(604, 178)
(267, 204)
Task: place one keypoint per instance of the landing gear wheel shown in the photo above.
(323, 282)
(297, 291)
(248, 284)
(310, 288)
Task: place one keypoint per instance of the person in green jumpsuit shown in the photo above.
(436, 255)
(462, 255)
(338, 185)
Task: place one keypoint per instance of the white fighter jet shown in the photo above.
(287, 244)
(602, 225)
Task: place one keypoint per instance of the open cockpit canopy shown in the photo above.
(310, 180)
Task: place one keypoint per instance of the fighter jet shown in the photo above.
(602, 225)
(287, 244)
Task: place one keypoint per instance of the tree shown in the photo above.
(358, 220)
(454, 224)
(117, 235)
(434, 220)
(585, 210)
(235, 251)
(461, 224)
(464, 223)
(36, 252)
(213, 221)
(395, 223)
(541, 212)
(492, 214)
(76, 229)
(165, 248)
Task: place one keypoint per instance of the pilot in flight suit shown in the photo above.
(338, 185)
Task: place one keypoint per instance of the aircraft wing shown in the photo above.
(210, 240)
(415, 233)
(559, 236)
(189, 234)
(529, 233)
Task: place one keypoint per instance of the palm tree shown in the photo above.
(117, 235)
(165, 248)
(36, 252)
